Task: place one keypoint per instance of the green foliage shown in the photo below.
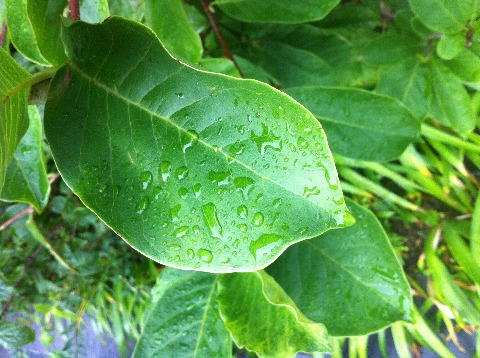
(151, 129)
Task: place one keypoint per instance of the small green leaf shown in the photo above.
(46, 20)
(20, 28)
(348, 279)
(277, 11)
(449, 46)
(195, 170)
(26, 180)
(444, 15)
(13, 109)
(257, 312)
(219, 65)
(168, 20)
(355, 121)
(451, 104)
(183, 319)
(409, 81)
(466, 66)
(15, 336)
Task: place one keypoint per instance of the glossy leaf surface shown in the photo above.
(13, 109)
(444, 15)
(183, 319)
(277, 11)
(26, 180)
(257, 311)
(451, 104)
(14, 335)
(168, 20)
(348, 279)
(45, 17)
(21, 31)
(355, 121)
(193, 169)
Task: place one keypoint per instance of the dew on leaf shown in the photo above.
(308, 192)
(264, 244)
(181, 231)
(205, 255)
(243, 227)
(196, 229)
(244, 184)
(191, 254)
(302, 230)
(183, 192)
(165, 170)
(197, 189)
(237, 149)
(266, 140)
(258, 219)
(302, 142)
(182, 173)
(142, 205)
(146, 178)
(276, 203)
(175, 211)
(209, 212)
(175, 247)
(220, 178)
(156, 192)
(116, 189)
(242, 212)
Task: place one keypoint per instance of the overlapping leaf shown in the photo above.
(13, 109)
(360, 124)
(349, 279)
(183, 319)
(26, 179)
(277, 11)
(193, 169)
(257, 312)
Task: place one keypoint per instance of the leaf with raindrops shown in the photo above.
(193, 169)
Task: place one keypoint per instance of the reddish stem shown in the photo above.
(74, 7)
(221, 39)
(3, 33)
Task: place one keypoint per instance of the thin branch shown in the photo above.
(221, 39)
(74, 6)
(3, 33)
(27, 210)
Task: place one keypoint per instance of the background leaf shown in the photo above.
(444, 15)
(354, 121)
(15, 336)
(183, 319)
(338, 277)
(26, 180)
(168, 20)
(451, 104)
(13, 109)
(277, 11)
(449, 46)
(193, 169)
(94, 10)
(410, 82)
(257, 311)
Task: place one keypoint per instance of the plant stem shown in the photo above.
(441, 136)
(74, 7)
(3, 33)
(221, 39)
(27, 210)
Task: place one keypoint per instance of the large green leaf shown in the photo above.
(13, 109)
(349, 279)
(277, 11)
(360, 124)
(20, 28)
(26, 180)
(444, 15)
(258, 312)
(15, 335)
(183, 320)
(451, 104)
(168, 20)
(391, 48)
(409, 81)
(193, 169)
(45, 18)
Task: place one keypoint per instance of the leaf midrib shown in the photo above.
(167, 120)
